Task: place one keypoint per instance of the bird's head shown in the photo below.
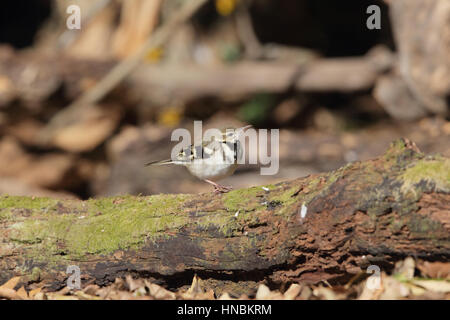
(234, 134)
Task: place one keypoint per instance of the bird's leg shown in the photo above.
(219, 188)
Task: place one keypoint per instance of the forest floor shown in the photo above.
(409, 280)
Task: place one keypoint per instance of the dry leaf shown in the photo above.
(405, 268)
(226, 296)
(60, 297)
(123, 295)
(140, 292)
(195, 286)
(64, 291)
(435, 269)
(91, 289)
(40, 296)
(142, 298)
(306, 293)
(85, 296)
(159, 292)
(119, 284)
(208, 295)
(134, 284)
(369, 293)
(11, 283)
(9, 294)
(292, 292)
(34, 292)
(263, 292)
(415, 290)
(22, 293)
(324, 293)
(104, 292)
(276, 295)
(393, 289)
(442, 286)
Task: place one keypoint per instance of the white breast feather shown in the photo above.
(218, 166)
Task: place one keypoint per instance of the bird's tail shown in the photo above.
(159, 163)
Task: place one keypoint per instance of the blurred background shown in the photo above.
(338, 91)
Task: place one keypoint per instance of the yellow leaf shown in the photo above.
(22, 293)
(225, 7)
(11, 283)
(154, 55)
(170, 117)
(33, 292)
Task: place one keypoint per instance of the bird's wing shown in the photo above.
(186, 155)
(195, 152)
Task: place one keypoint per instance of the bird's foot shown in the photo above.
(222, 189)
(218, 189)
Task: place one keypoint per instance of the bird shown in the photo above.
(212, 160)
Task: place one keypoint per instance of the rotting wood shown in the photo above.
(372, 212)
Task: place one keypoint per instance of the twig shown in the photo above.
(246, 32)
(119, 72)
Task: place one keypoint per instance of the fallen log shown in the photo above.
(245, 78)
(26, 76)
(327, 226)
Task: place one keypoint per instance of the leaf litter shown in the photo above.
(409, 280)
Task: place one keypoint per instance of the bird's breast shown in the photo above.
(214, 172)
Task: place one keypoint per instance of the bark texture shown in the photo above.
(322, 227)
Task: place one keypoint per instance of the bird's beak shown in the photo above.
(245, 128)
(241, 130)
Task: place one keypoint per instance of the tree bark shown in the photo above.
(327, 226)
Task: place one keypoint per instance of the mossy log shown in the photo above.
(326, 226)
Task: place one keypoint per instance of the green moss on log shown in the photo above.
(434, 170)
(102, 226)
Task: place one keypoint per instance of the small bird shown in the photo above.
(212, 160)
